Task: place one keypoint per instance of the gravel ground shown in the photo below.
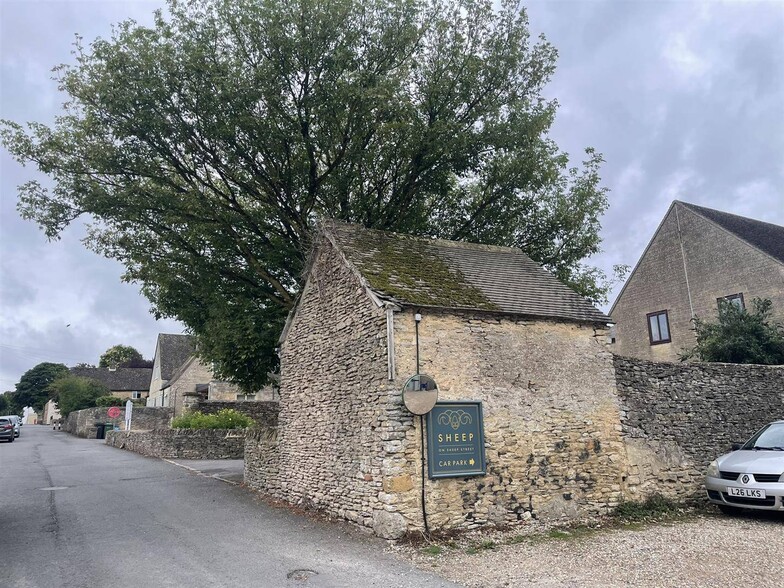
(702, 551)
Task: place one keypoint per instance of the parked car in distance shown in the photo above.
(7, 429)
(752, 475)
(16, 421)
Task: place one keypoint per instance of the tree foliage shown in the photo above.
(109, 400)
(739, 336)
(33, 387)
(206, 145)
(9, 404)
(118, 355)
(75, 393)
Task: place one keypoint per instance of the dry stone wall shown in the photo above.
(82, 422)
(676, 418)
(182, 443)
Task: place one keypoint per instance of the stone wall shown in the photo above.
(261, 459)
(551, 420)
(182, 443)
(190, 374)
(263, 413)
(82, 422)
(334, 412)
(677, 418)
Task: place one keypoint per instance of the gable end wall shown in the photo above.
(718, 264)
(327, 449)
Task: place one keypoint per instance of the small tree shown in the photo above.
(739, 336)
(74, 393)
(119, 355)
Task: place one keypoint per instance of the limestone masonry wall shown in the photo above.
(676, 418)
(333, 418)
(82, 422)
(551, 420)
(264, 413)
(182, 443)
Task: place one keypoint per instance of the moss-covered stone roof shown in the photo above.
(414, 271)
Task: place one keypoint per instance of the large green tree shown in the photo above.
(118, 355)
(33, 387)
(206, 145)
(739, 336)
(75, 393)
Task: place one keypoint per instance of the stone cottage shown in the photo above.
(171, 352)
(696, 256)
(493, 327)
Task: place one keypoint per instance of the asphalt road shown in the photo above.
(76, 513)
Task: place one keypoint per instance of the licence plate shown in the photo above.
(746, 492)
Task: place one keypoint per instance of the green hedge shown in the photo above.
(109, 401)
(227, 418)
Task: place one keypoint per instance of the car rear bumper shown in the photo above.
(717, 490)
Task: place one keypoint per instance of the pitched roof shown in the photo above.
(133, 379)
(173, 351)
(766, 237)
(178, 374)
(415, 271)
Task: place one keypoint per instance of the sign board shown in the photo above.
(128, 414)
(420, 394)
(455, 440)
(113, 412)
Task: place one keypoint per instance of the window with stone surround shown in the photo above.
(136, 395)
(658, 327)
(736, 299)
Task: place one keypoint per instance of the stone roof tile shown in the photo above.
(174, 350)
(120, 379)
(416, 271)
(766, 237)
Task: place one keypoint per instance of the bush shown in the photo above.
(109, 401)
(227, 418)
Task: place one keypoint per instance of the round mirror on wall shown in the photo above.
(420, 394)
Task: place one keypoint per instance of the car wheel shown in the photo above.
(11, 439)
(729, 510)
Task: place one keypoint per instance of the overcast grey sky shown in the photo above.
(684, 98)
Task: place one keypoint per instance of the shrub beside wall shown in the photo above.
(263, 413)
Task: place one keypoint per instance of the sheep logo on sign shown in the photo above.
(454, 418)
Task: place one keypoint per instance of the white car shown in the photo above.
(752, 476)
(16, 421)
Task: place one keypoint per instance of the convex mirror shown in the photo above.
(420, 394)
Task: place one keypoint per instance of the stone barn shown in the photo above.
(490, 326)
